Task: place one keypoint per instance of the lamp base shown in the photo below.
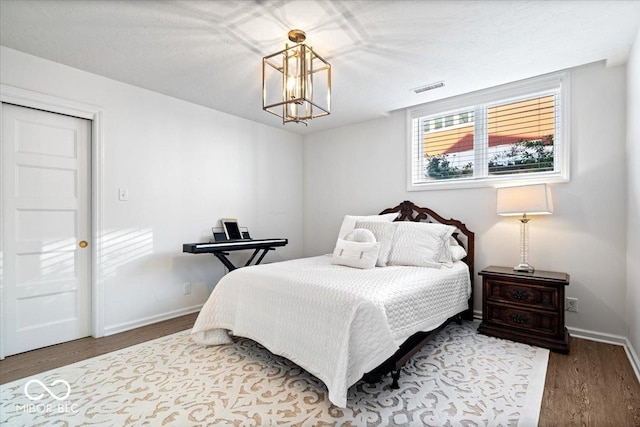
(524, 267)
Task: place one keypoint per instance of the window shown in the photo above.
(515, 132)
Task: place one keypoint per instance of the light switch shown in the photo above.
(123, 194)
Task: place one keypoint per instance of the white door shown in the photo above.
(45, 159)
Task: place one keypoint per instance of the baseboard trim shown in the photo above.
(633, 357)
(127, 326)
(610, 339)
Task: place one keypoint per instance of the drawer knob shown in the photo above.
(519, 318)
(519, 294)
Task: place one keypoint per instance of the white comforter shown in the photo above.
(336, 322)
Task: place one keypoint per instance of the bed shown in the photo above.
(343, 323)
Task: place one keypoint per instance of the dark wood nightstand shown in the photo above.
(525, 307)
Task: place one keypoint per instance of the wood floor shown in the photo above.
(594, 385)
(36, 361)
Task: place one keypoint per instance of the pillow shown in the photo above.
(360, 235)
(457, 251)
(349, 221)
(355, 254)
(383, 232)
(421, 244)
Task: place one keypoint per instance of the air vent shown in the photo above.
(429, 87)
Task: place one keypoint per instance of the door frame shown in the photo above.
(53, 104)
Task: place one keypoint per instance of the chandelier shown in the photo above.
(296, 82)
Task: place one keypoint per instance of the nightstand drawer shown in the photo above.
(531, 321)
(531, 296)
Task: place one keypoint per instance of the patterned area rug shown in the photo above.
(461, 378)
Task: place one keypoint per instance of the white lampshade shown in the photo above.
(528, 199)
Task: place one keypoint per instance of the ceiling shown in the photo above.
(210, 52)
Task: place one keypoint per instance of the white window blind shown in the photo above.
(521, 136)
(495, 138)
(446, 145)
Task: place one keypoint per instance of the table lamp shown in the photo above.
(524, 200)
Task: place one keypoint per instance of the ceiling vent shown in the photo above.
(429, 87)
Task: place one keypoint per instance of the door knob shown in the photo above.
(83, 244)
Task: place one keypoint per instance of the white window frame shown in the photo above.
(489, 97)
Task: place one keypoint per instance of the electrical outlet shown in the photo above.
(187, 288)
(572, 304)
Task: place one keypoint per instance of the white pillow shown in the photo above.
(383, 232)
(360, 235)
(349, 221)
(457, 251)
(355, 254)
(421, 244)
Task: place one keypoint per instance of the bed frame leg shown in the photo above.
(395, 375)
(458, 319)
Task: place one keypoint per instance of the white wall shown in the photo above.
(360, 169)
(185, 166)
(633, 195)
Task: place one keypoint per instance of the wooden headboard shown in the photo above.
(407, 211)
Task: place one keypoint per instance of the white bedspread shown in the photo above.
(334, 321)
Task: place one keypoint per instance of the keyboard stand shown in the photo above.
(222, 249)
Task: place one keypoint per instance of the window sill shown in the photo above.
(550, 178)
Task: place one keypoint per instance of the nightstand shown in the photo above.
(525, 307)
